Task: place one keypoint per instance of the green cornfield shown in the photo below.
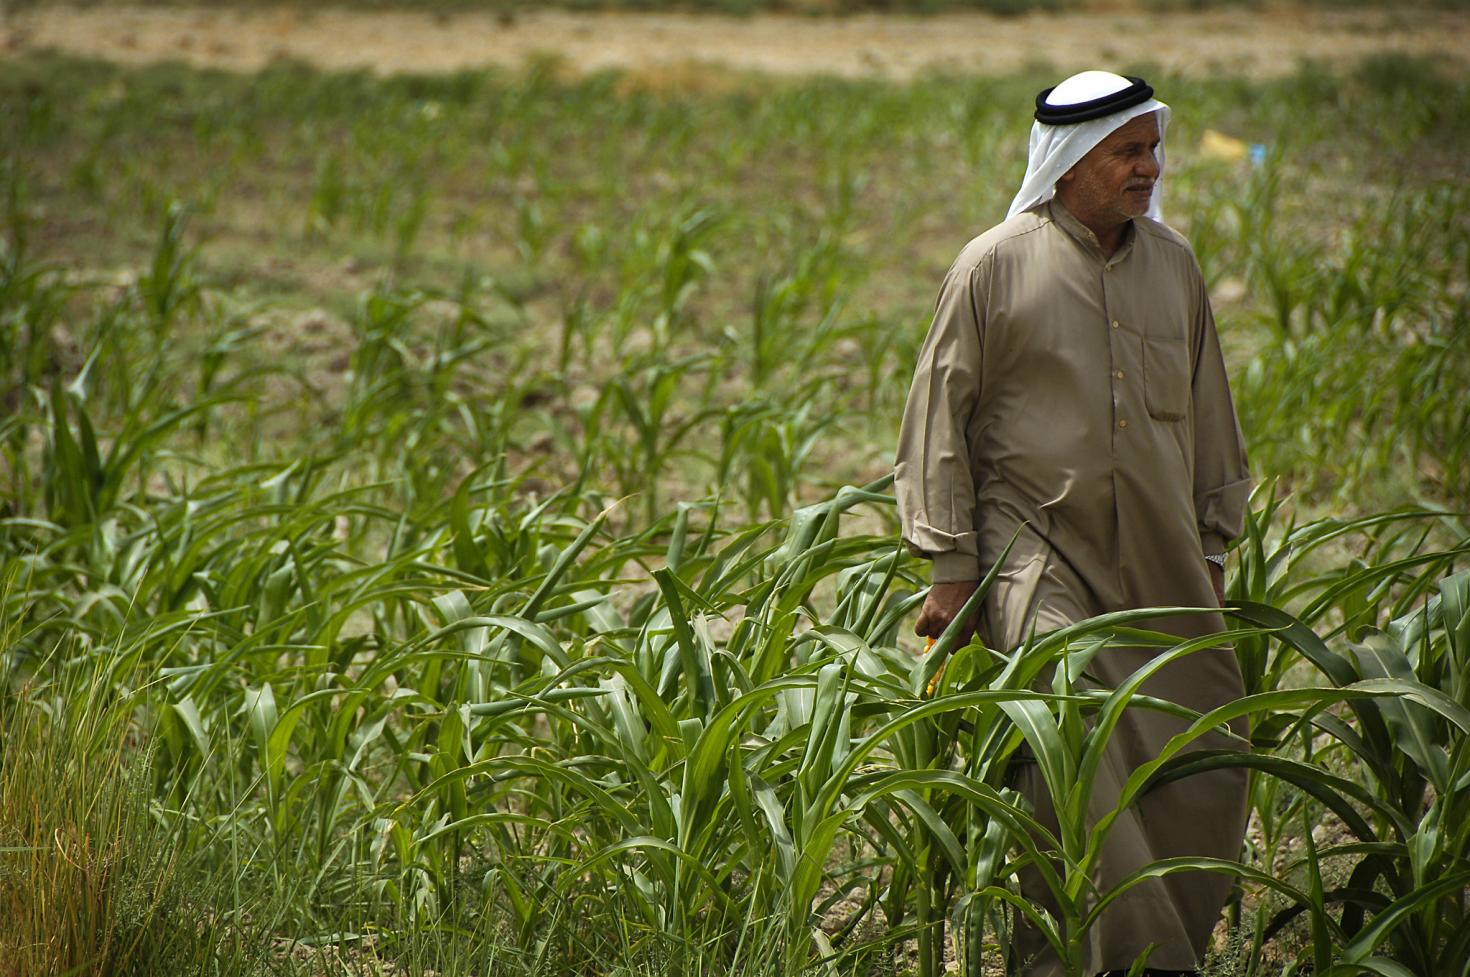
(445, 528)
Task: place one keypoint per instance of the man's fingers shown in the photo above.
(941, 607)
(930, 624)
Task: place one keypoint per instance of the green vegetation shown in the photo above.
(431, 537)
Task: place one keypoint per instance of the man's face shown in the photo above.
(1114, 181)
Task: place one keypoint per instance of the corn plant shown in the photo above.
(501, 577)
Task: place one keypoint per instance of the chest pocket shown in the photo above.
(1166, 377)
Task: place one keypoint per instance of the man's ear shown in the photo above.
(1067, 177)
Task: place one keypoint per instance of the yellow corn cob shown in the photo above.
(933, 682)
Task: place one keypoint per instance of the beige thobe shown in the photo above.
(1085, 397)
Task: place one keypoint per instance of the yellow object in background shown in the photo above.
(1217, 145)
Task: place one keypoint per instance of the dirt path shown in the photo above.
(1270, 41)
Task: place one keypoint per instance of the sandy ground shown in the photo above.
(1271, 41)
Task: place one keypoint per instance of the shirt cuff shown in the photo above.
(955, 567)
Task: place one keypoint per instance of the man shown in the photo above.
(1071, 386)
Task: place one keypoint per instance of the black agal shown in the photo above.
(1138, 92)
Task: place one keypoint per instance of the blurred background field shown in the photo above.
(818, 8)
(426, 546)
(1254, 40)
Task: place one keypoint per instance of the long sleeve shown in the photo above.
(1222, 482)
(934, 477)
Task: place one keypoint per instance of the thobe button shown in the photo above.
(1123, 423)
(1119, 374)
(1115, 323)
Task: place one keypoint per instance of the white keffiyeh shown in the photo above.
(1055, 149)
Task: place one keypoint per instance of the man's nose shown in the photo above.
(1148, 166)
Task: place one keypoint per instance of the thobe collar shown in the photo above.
(1083, 235)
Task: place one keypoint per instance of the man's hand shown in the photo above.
(1217, 579)
(944, 603)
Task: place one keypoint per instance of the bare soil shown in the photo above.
(1271, 41)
